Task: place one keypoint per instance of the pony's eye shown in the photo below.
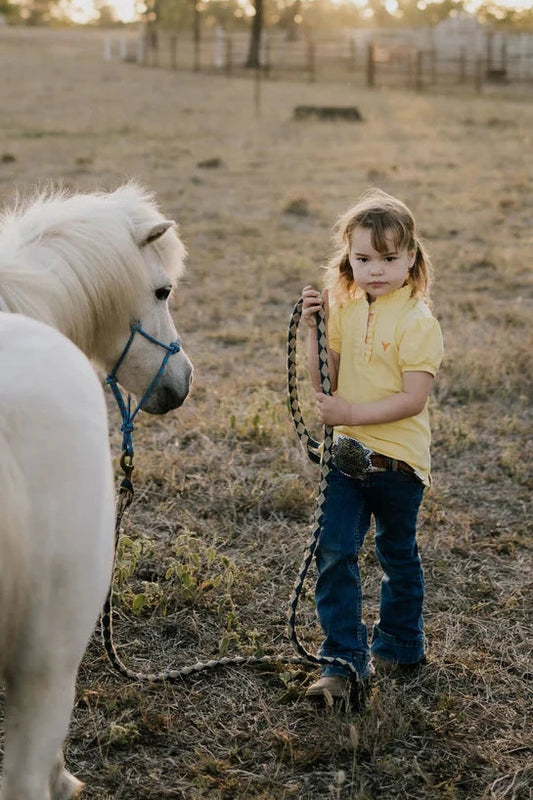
(163, 292)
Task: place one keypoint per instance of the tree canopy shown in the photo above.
(293, 16)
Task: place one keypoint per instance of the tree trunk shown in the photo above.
(254, 52)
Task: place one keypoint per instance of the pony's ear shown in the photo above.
(153, 232)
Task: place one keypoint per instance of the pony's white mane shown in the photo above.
(75, 261)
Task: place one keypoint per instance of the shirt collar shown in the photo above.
(399, 296)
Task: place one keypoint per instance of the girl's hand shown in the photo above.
(333, 410)
(312, 303)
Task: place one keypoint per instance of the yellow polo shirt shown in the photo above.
(377, 342)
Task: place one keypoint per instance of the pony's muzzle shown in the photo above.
(170, 393)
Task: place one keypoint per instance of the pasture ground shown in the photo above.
(224, 496)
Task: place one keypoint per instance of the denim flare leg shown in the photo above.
(394, 499)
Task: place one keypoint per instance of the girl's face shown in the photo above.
(376, 273)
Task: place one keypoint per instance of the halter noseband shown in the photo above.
(125, 406)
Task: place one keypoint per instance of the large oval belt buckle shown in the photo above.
(351, 457)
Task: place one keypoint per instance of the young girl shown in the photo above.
(384, 349)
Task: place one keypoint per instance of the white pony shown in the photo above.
(90, 266)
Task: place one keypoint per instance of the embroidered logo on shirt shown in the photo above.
(385, 345)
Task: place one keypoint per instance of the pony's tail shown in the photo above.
(14, 539)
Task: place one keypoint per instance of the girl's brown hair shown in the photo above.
(383, 215)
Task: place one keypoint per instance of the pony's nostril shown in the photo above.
(173, 399)
(165, 399)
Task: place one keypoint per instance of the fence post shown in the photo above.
(371, 65)
(411, 69)
(141, 50)
(419, 76)
(504, 58)
(229, 55)
(173, 48)
(267, 66)
(257, 89)
(197, 36)
(433, 62)
(353, 55)
(311, 61)
(478, 74)
(462, 65)
(490, 54)
(220, 47)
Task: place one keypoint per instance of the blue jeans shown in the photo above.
(394, 499)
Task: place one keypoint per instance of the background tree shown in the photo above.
(10, 11)
(37, 12)
(380, 14)
(106, 13)
(326, 17)
(254, 50)
(288, 19)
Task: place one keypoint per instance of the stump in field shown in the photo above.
(350, 113)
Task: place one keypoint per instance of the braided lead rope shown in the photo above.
(310, 444)
(313, 449)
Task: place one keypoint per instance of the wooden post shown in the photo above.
(478, 74)
(257, 90)
(267, 66)
(196, 36)
(353, 55)
(411, 69)
(419, 74)
(371, 65)
(311, 61)
(229, 55)
(173, 51)
(490, 54)
(504, 57)
(462, 65)
(433, 62)
(141, 51)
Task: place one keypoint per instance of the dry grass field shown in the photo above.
(224, 495)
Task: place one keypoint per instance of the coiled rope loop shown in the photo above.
(318, 454)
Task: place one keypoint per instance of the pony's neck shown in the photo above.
(44, 301)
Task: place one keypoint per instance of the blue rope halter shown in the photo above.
(124, 406)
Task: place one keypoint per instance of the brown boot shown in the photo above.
(394, 669)
(329, 691)
(349, 693)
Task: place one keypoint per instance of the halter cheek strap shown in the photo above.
(124, 406)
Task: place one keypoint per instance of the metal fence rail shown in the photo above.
(334, 59)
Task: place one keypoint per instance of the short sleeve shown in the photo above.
(334, 328)
(421, 346)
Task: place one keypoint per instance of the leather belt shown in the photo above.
(384, 462)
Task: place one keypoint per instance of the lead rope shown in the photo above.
(313, 450)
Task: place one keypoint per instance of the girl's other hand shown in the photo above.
(313, 302)
(333, 410)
